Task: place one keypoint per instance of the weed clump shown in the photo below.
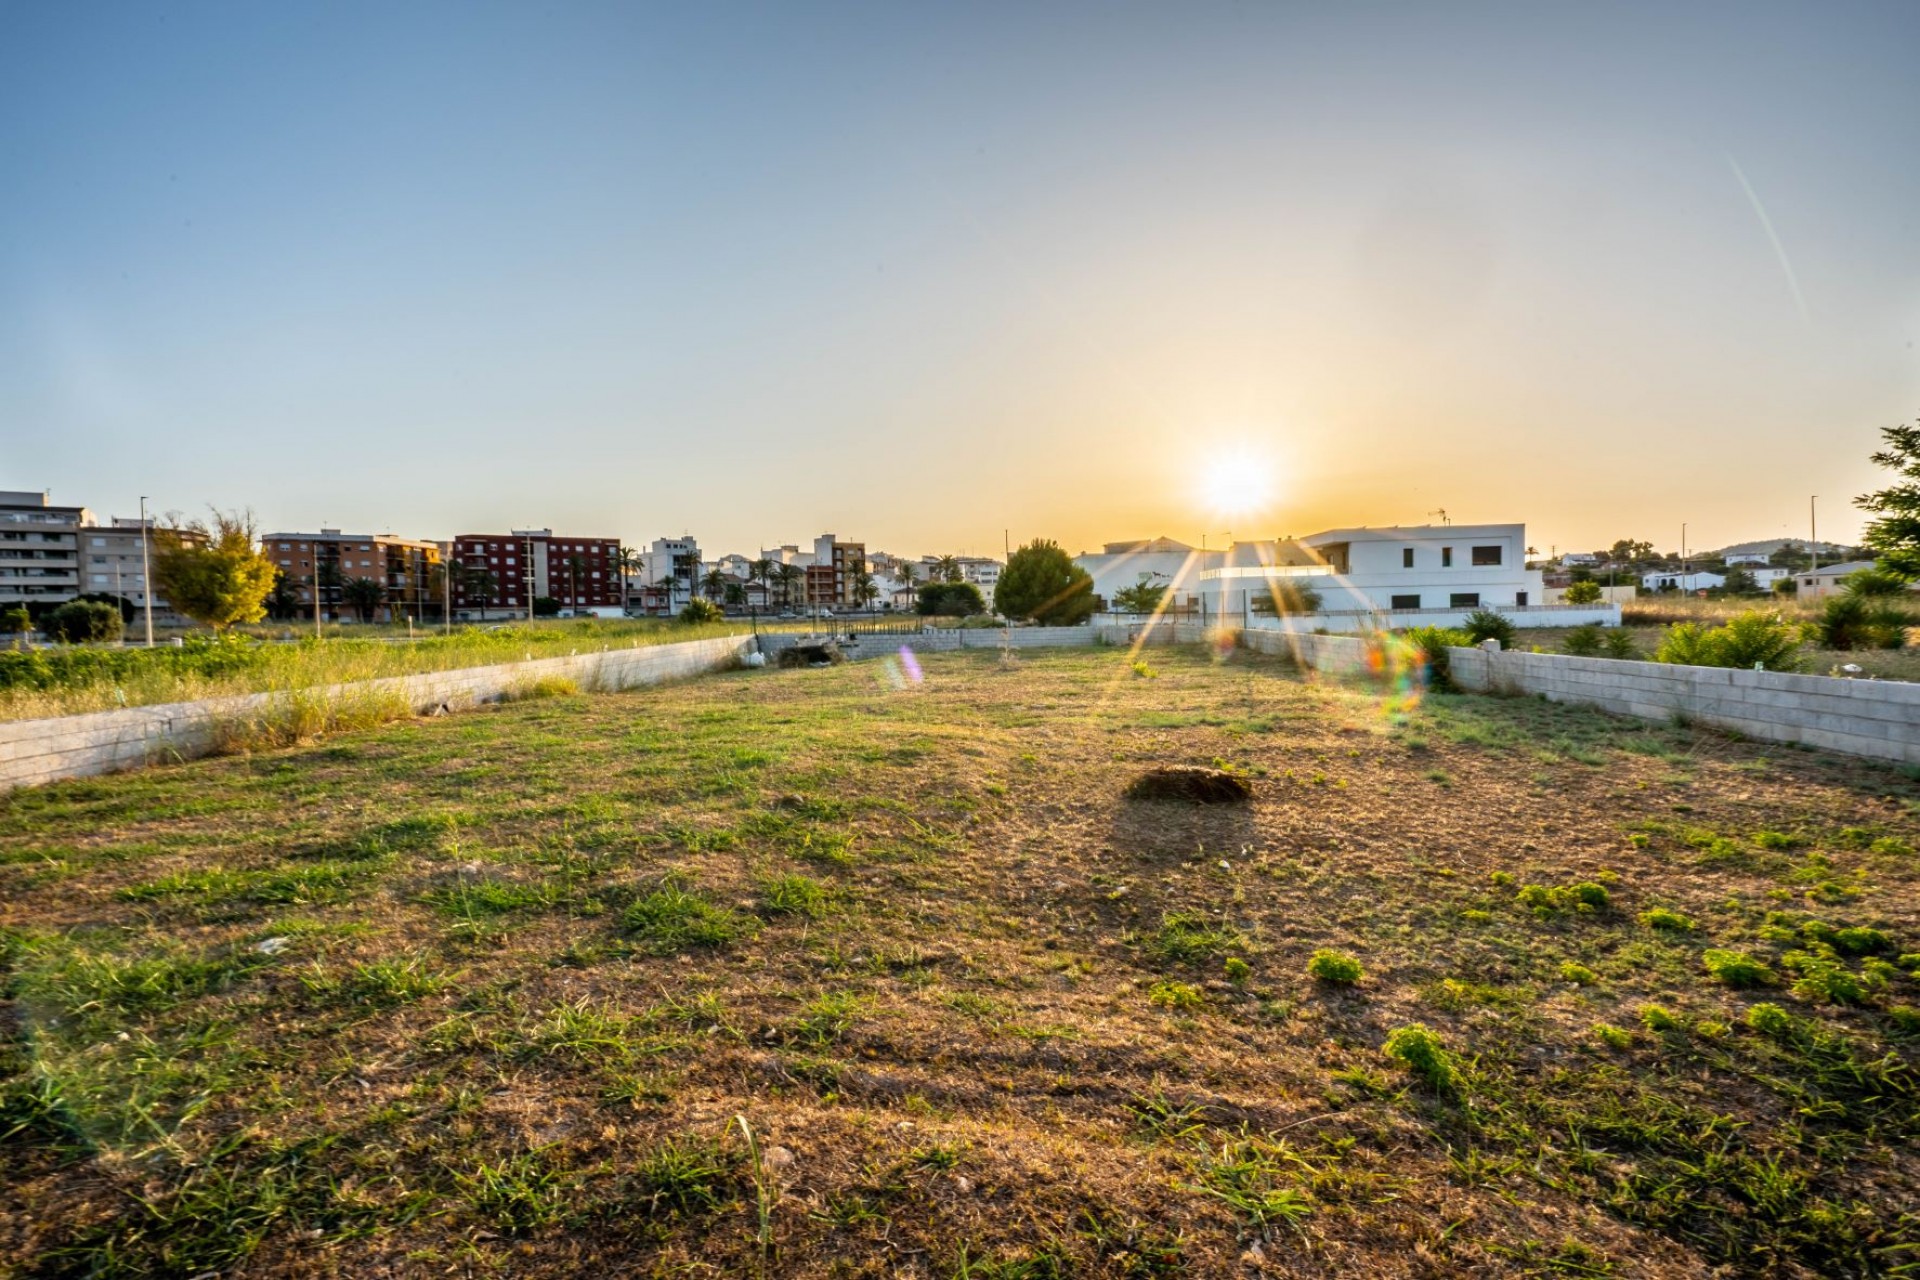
(1611, 1036)
(1176, 995)
(1545, 901)
(1667, 921)
(1334, 967)
(1419, 1050)
(1190, 783)
(1185, 937)
(1736, 968)
(1578, 974)
(1770, 1020)
(1659, 1019)
(792, 895)
(672, 919)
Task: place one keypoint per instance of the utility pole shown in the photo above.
(1813, 535)
(446, 596)
(527, 578)
(146, 571)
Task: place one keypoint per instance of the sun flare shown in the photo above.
(1236, 482)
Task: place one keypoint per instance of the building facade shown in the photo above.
(407, 571)
(1401, 568)
(669, 577)
(1149, 562)
(835, 572)
(505, 573)
(39, 549)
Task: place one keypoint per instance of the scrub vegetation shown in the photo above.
(798, 973)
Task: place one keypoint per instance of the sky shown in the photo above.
(937, 276)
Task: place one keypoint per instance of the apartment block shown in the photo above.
(834, 571)
(406, 568)
(669, 576)
(506, 571)
(114, 561)
(39, 549)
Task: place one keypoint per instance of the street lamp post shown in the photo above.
(146, 571)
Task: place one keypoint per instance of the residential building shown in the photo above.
(114, 564)
(1748, 557)
(669, 576)
(834, 572)
(1160, 562)
(1402, 568)
(1679, 580)
(981, 571)
(508, 571)
(39, 549)
(408, 570)
(1825, 581)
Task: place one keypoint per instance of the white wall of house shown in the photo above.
(1402, 568)
(1664, 579)
(1178, 570)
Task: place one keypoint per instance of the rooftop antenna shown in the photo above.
(1442, 513)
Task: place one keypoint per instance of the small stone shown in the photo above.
(778, 1157)
(272, 946)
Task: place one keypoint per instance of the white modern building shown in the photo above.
(1676, 580)
(1157, 562)
(669, 576)
(1826, 580)
(1405, 568)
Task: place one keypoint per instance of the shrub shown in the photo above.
(1432, 643)
(1620, 645)
(950, 600)
(1855, 621)
(1586, 592)
(1662, 918)
(1334, 967)
(1484, 624)
(84, 622)
(16, 620)
(1587, 640)
(1823, 981)
(1770, 1020)
(1288, 597)
(701, 609)
(1736, 968)
(1420, 1051)
(1875, 583)
(1043, 583)
(1585, 896)
(1755, 639)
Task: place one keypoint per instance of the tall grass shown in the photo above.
(57, 686)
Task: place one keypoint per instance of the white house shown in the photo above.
(1159, 562)
(1748, 557)
(669, 575)
(1404, 568)
(1675, 580)
(1825, 580)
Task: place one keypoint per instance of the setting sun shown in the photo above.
(1236, 482)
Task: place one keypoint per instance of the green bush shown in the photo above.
(1334, 967)
(1587, 640)
(1484, 624)
(1288, 597)
(950, 600)
(1586, 592)
(1432, 643)
(1611, 1036)
(1770, 1020)
(84, 622)
(1860, 621)
(1753, 639)
(1420, 1051)
(1671, 921)
(1659, 1019)
(1860, 941)
(1620, 645)
(700, 609)
(200, 655)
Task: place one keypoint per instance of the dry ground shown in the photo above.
(805, 974)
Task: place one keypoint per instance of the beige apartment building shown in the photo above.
(39, 549)
(408, 570)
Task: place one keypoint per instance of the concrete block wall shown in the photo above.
(1874, 718)
(40, 751)
(946, 640)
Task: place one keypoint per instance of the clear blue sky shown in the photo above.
(920, 273)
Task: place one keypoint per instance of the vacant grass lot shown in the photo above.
(803, 974)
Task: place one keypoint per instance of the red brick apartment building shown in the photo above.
(500, 571)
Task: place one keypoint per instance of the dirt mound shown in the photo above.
(1190, 783)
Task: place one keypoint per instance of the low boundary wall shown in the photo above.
(39, 751)
(946, 640)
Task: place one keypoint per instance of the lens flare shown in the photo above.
(1236, 482)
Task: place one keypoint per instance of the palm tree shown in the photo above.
(574, 565)
(714, 583)
(946, 569)
(789, 574)
(627, 560)
(736, 596)
(906, 574)
(865, 589)
(366, 595)
(483, 583)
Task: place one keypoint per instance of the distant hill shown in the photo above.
(1768, 546)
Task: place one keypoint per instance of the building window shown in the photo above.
(1406, 602)
(1465, 600)
(1486, 555)
(1520, 598)
(1406, 557)
(1446, 557)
